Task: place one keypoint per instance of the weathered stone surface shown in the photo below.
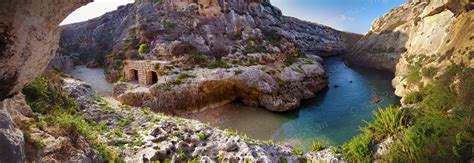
(276, 88)
(427, 33)
(151, 137)
(325, 156)
(11, 138)
(29, 37)
(171, 29)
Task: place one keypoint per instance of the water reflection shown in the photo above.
(333, 116)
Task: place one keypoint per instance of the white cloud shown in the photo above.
(93, 10)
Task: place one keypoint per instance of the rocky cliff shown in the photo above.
(167, 29)
(212, 38)
(29, 37)
(417, 41)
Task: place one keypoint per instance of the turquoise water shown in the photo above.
(333, 116)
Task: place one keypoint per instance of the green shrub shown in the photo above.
(185, 76)
(177, 81)
(256, 49)
(199, 59)
(318, 146)
(413, 97)
(293, 59)
(387, 122)
(429, 71)
(414, 74)
(41, 124)
(217, 64)
(143, 49)
(37, 94)
(57, 108)
(428, 140)
(181, 155)
(124, 123)
(238, 72)
(336, 150)
(290, 61)
(439, 97)
(297, 152)
(118, 132)
(202, 135)
(358, 148)
(252, 37)
(170, 26)
(230, 133)
(220, 157)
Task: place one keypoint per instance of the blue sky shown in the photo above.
(347, 15)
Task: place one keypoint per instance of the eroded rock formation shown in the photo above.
(29, 37)
(276, 88)
(197, 36)
(417, 40)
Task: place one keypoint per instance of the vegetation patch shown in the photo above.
(437, 129)
(57, 108)
(429, 72)
(293, 59)
(144, 48)
(414, 74)
(256, 49)
(318, 146)
(217, 64)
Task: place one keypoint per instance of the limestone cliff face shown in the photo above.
(218, 28)
(211, 37)
(417, 41)
(29, 37)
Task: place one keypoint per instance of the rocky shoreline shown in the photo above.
(274, 87)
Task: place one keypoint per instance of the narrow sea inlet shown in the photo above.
(333, 116)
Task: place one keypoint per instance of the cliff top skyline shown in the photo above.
(353, 16)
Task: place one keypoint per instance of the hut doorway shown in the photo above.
(151, 77)
(133, 75)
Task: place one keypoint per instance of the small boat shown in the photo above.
(376, 100)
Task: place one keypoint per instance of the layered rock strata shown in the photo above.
(417, 41)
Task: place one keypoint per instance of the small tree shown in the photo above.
(143, 48)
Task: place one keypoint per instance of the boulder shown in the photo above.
(11, 138)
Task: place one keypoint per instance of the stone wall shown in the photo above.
(142, 71)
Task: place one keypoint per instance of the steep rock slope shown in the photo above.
(217, 28)
(417, 41)
(210, 39)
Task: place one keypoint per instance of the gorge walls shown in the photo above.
(417, 41)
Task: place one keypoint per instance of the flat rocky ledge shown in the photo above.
(275, 87)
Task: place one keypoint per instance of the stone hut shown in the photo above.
(143, 72)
